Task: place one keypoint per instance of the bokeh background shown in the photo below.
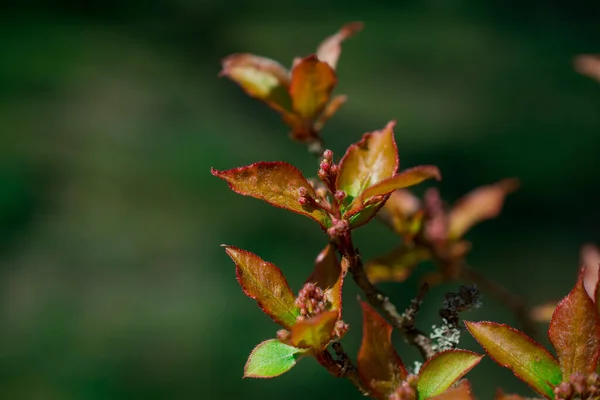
(112, 281)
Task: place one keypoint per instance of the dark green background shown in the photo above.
(112, 281)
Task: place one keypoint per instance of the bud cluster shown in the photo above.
(311, 300)
(579, 387)
(328, 171)
(304, 198)
(341, 328)
(338, 227)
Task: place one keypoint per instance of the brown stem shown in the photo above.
(514, 302)
(341, 368)
(406, 322)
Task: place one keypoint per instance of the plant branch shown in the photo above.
(405, 322)
(342, 367)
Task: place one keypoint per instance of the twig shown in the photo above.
(406, 322)
(348, 369)
(341, 368)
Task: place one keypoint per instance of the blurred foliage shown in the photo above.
(113, 283)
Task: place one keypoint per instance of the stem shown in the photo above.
(341, 368)
(406, 322)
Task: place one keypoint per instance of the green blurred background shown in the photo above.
(113, 283)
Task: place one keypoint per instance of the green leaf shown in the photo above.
(406, 178)
(482, 203)
(311, 86)
(315, 332)
(461, 392)
(328, 275)
(271, 358)
(260, 77)
(277, 183)
(371, 160)
(575, 331)
(443, 370)
(379, 366)
(265, 283)
(330, 49)
(514, 350)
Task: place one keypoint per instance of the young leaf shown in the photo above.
(397, 265)
(406, 178)
(442, 370)
(371, 160)
(332, 107)
(514, 350)
(379, 365)
(461, 392)
(330, 49)
(328, 275)
(588, 65)
(575, 331)
(260, 77)
(311, 86)
(271, 358)
(401, 205)
(315, 332)
(265, 283)
(482, 203)
(277, 183)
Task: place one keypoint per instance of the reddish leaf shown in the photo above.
(461, 392)
(379, 365)
(265, 283)
(543, 312)
(328, 275)
(443, 370)
(514, 350)
(588, 65)
(332, 107)
(590, 258)
(277, 183)
(575, 331)
(373, 159)
(311, 86)
(480, 204)
(329, 51)
(315, 332)
(501, 396)
(261, 78)
(406, 178)
(401, 205)
(397, 265)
